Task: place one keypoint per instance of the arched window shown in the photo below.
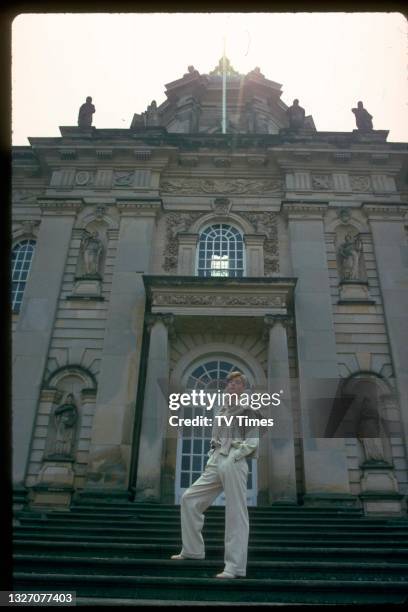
(220, 251)
(21, 257)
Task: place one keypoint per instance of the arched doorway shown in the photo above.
(194, 442)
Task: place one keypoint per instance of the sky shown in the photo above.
(124, 60)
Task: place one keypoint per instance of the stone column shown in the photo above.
(155, 409)
(391, 254)
(325, 461)
(282, 470)
(35, 323)
(112, 429)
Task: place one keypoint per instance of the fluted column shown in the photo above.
(155, 409)
(282, 470)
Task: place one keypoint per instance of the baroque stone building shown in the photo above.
(163, 256)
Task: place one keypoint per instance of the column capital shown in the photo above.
(385, 211)
(270, 320)
(304, 210)
(166, 318)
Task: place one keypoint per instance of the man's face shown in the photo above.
(235, 385)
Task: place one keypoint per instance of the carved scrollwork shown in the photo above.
(266, 223)
(175, 222)
(216, 186)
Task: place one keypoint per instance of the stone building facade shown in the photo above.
(165, 255)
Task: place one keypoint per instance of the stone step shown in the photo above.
(219, 523)
(142, 532)
(209, 517)
(256, 552)
(167, 567)
(171, 508)
(202, 588)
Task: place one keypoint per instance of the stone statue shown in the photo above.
(151, 115)
(66, 416)
(350, 254)
(191, 72)
(85, 113)
(296, 115)
(368, 432)
(92, 249)
(363, 118)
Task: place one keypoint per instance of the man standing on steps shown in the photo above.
(226, 469)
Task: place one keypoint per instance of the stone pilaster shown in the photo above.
(254, 254)
(282, 470)
(391, 254)
(186, 253)
(35, 323)
(111, 441)
(155, 409)
(325, 459)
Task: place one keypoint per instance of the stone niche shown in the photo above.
(367, 399)
(353, 281)
(64, 400)
(90, 262)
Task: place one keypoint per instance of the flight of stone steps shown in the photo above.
(120, 552)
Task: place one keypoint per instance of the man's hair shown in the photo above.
(237, 374)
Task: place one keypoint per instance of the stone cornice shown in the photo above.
(304, 209)
(143, 208)
(67, 206)
(382, 211)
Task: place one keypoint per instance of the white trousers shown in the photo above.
(221, 473)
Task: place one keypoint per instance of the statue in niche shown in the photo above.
(351, 255)
(368, 432)
(66, 416)
(91, 247)
(151, 115)
(364, 120)
(296, 115)
(85, 113)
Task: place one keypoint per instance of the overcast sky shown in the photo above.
(327, 60)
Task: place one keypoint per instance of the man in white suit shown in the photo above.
(226, 469)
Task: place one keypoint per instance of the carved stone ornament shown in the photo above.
(344, 215)
(175, 222)
(29, 226)
(266, 223)
(123, 179)
(190, 299)
(228, 186)
(221, 206)
(322, 181)
(83, 177)
(360, 183)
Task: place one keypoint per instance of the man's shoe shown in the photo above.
(180, 556)
(225, 575)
